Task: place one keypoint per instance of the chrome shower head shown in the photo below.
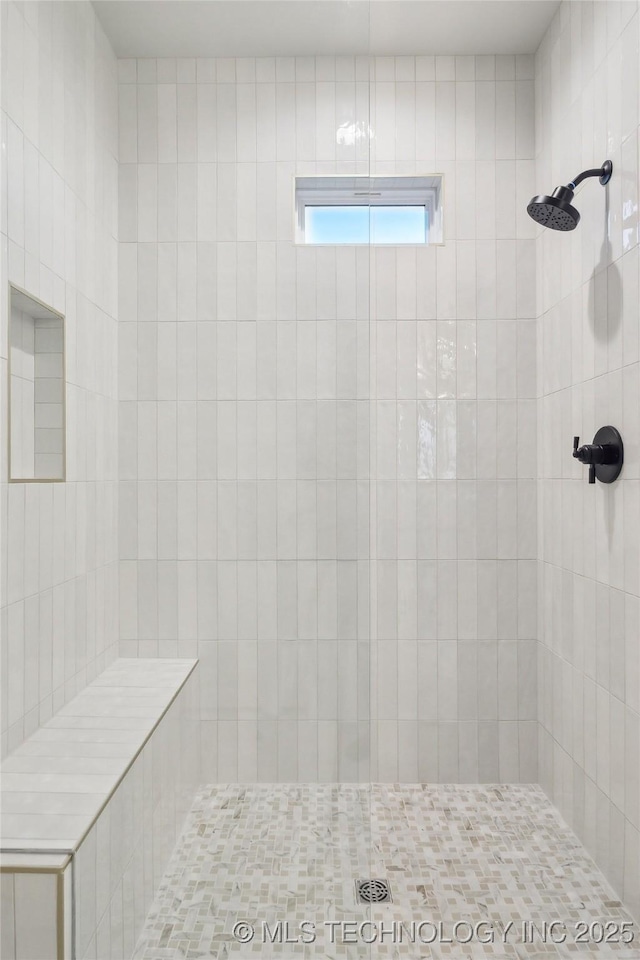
(556, 211)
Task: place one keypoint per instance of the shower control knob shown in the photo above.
(604, 456)
(585, 455)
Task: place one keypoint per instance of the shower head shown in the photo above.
(556, 211)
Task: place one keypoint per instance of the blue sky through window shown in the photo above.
(363, 224)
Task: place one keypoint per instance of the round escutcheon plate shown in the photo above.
(608, 472)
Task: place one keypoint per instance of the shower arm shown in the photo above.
(603, 173)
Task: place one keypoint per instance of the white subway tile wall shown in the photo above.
(32, 912)
(36, 394)
(58, 240)
(109, 781)
(328, 455)
(123, 858)
(587, 110)
(328, 458)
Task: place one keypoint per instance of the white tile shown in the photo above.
(35, 914)
(294, 373)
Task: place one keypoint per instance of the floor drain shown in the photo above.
(373, 891)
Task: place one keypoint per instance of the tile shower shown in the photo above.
(285, 512)
(339, 476)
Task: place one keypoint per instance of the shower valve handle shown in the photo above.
(585, 455)
(607, 454)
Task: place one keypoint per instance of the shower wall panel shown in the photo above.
(587, 110)
(327, 455)
(244, 388)
(58, 240)
(453, 430)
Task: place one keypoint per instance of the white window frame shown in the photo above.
(348, 191)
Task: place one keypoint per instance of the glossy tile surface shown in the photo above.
(588, 109)
(120, 862)
(328, 454)
(58, 241)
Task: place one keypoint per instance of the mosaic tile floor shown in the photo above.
(481, 864)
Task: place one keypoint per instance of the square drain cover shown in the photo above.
(373, 891)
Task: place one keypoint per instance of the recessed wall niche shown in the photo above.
(36, 391)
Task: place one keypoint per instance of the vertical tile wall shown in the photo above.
(29, 932)
(327, 456)
(36, 395)
(587, 110)
(58, 241)
(244, 369)
(453, 432)
(121, 862)
(22, 387)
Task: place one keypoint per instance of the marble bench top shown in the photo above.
(54, 785)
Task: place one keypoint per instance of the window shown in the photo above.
(378, 210)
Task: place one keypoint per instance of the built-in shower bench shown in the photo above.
(92, 804)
